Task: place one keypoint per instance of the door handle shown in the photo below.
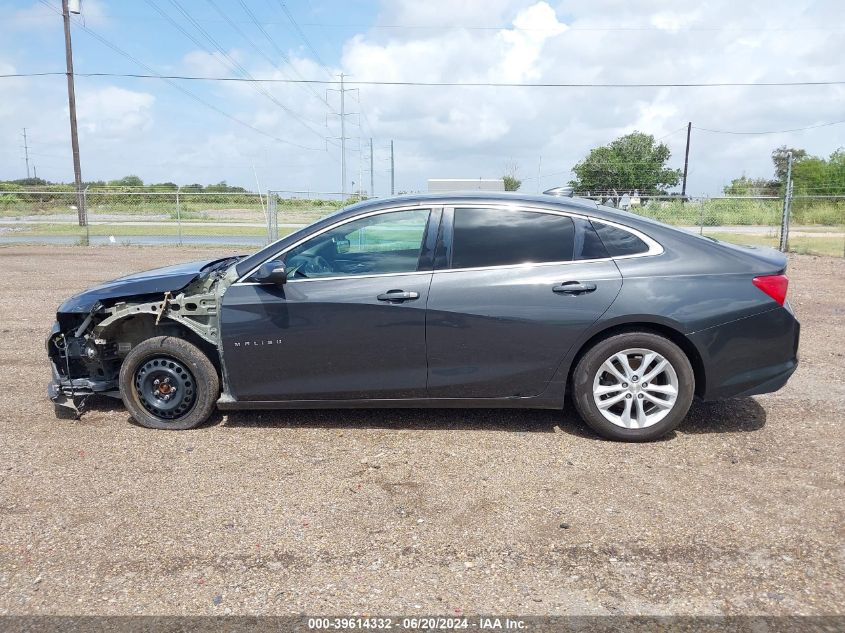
(574, 288)
(398, 296)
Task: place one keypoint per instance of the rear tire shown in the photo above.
(612, 392)
(169, 383)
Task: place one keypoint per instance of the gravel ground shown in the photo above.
(403, 512)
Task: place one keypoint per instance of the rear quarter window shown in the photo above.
(619, 242)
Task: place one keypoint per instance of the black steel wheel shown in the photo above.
(169, 383)
(165, 387)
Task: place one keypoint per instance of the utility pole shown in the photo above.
(787, 205)
(360, 169)
(372, 176)
(74, 138)
(392, 172)
(26, 153)
(686, 164)
(342, 141)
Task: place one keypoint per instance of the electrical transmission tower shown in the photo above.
(343, 138)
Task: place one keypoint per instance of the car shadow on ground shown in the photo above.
(728, 416)
(738, 415)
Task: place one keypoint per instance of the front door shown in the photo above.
(348, 324)
(510, 298)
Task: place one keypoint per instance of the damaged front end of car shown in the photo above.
(96, 330)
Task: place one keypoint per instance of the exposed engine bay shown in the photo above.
(87, 348)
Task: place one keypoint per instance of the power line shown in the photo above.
(511, 27)
(302, 35)
(257, 49)
(683, 127)
(184, 91)
(276, 48)
(237, 66)
(796, 129)
(325, 67)
(456, 84)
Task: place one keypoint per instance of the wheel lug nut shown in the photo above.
(624, 385)
(156, 382)
(628, 396)
(645, 384)
(639, 395)
(634, 378)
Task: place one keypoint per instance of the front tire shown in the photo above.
(168, 383)
(634, 387)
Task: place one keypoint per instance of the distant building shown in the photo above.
(444, 185)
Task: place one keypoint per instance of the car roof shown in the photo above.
(474, 196)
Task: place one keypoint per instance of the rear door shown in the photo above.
(512, 291)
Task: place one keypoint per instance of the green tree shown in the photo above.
(127, 181)
(817, 176)
(631, 162)
(511, 178)
(512, 183)
(745, 186)
(780, 158)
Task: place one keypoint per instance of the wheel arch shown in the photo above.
(136, 328)
(666, 330)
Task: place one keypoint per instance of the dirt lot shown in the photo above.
(403, 512)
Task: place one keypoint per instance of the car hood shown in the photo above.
(154, 281)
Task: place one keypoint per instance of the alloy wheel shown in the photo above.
(635, 388)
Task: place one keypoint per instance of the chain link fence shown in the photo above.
(816, 224)
(131, 216)
(178, 216)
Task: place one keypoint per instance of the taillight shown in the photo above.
(773, 285)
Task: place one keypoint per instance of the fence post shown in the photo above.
(700, 216)
(272, 220)
(179, 215)
(787, 203)
(87, 223)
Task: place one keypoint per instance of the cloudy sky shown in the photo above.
(286, 133)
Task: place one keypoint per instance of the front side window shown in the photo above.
(378, 244)
(501, 237)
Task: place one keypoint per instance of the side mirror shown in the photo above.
(272, 272)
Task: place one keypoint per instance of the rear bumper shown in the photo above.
(749, 356)
(772, 384)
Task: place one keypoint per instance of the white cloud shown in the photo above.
(461, 131)
(38, 17)
(114, 114)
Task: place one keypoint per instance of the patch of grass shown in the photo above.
(803, 244)
(732, 212)
(188, 215)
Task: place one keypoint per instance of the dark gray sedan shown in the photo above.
(464, 300)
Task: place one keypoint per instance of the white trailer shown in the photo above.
(444, 185)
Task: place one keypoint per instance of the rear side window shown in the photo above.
(500, 237)
(619, 242)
